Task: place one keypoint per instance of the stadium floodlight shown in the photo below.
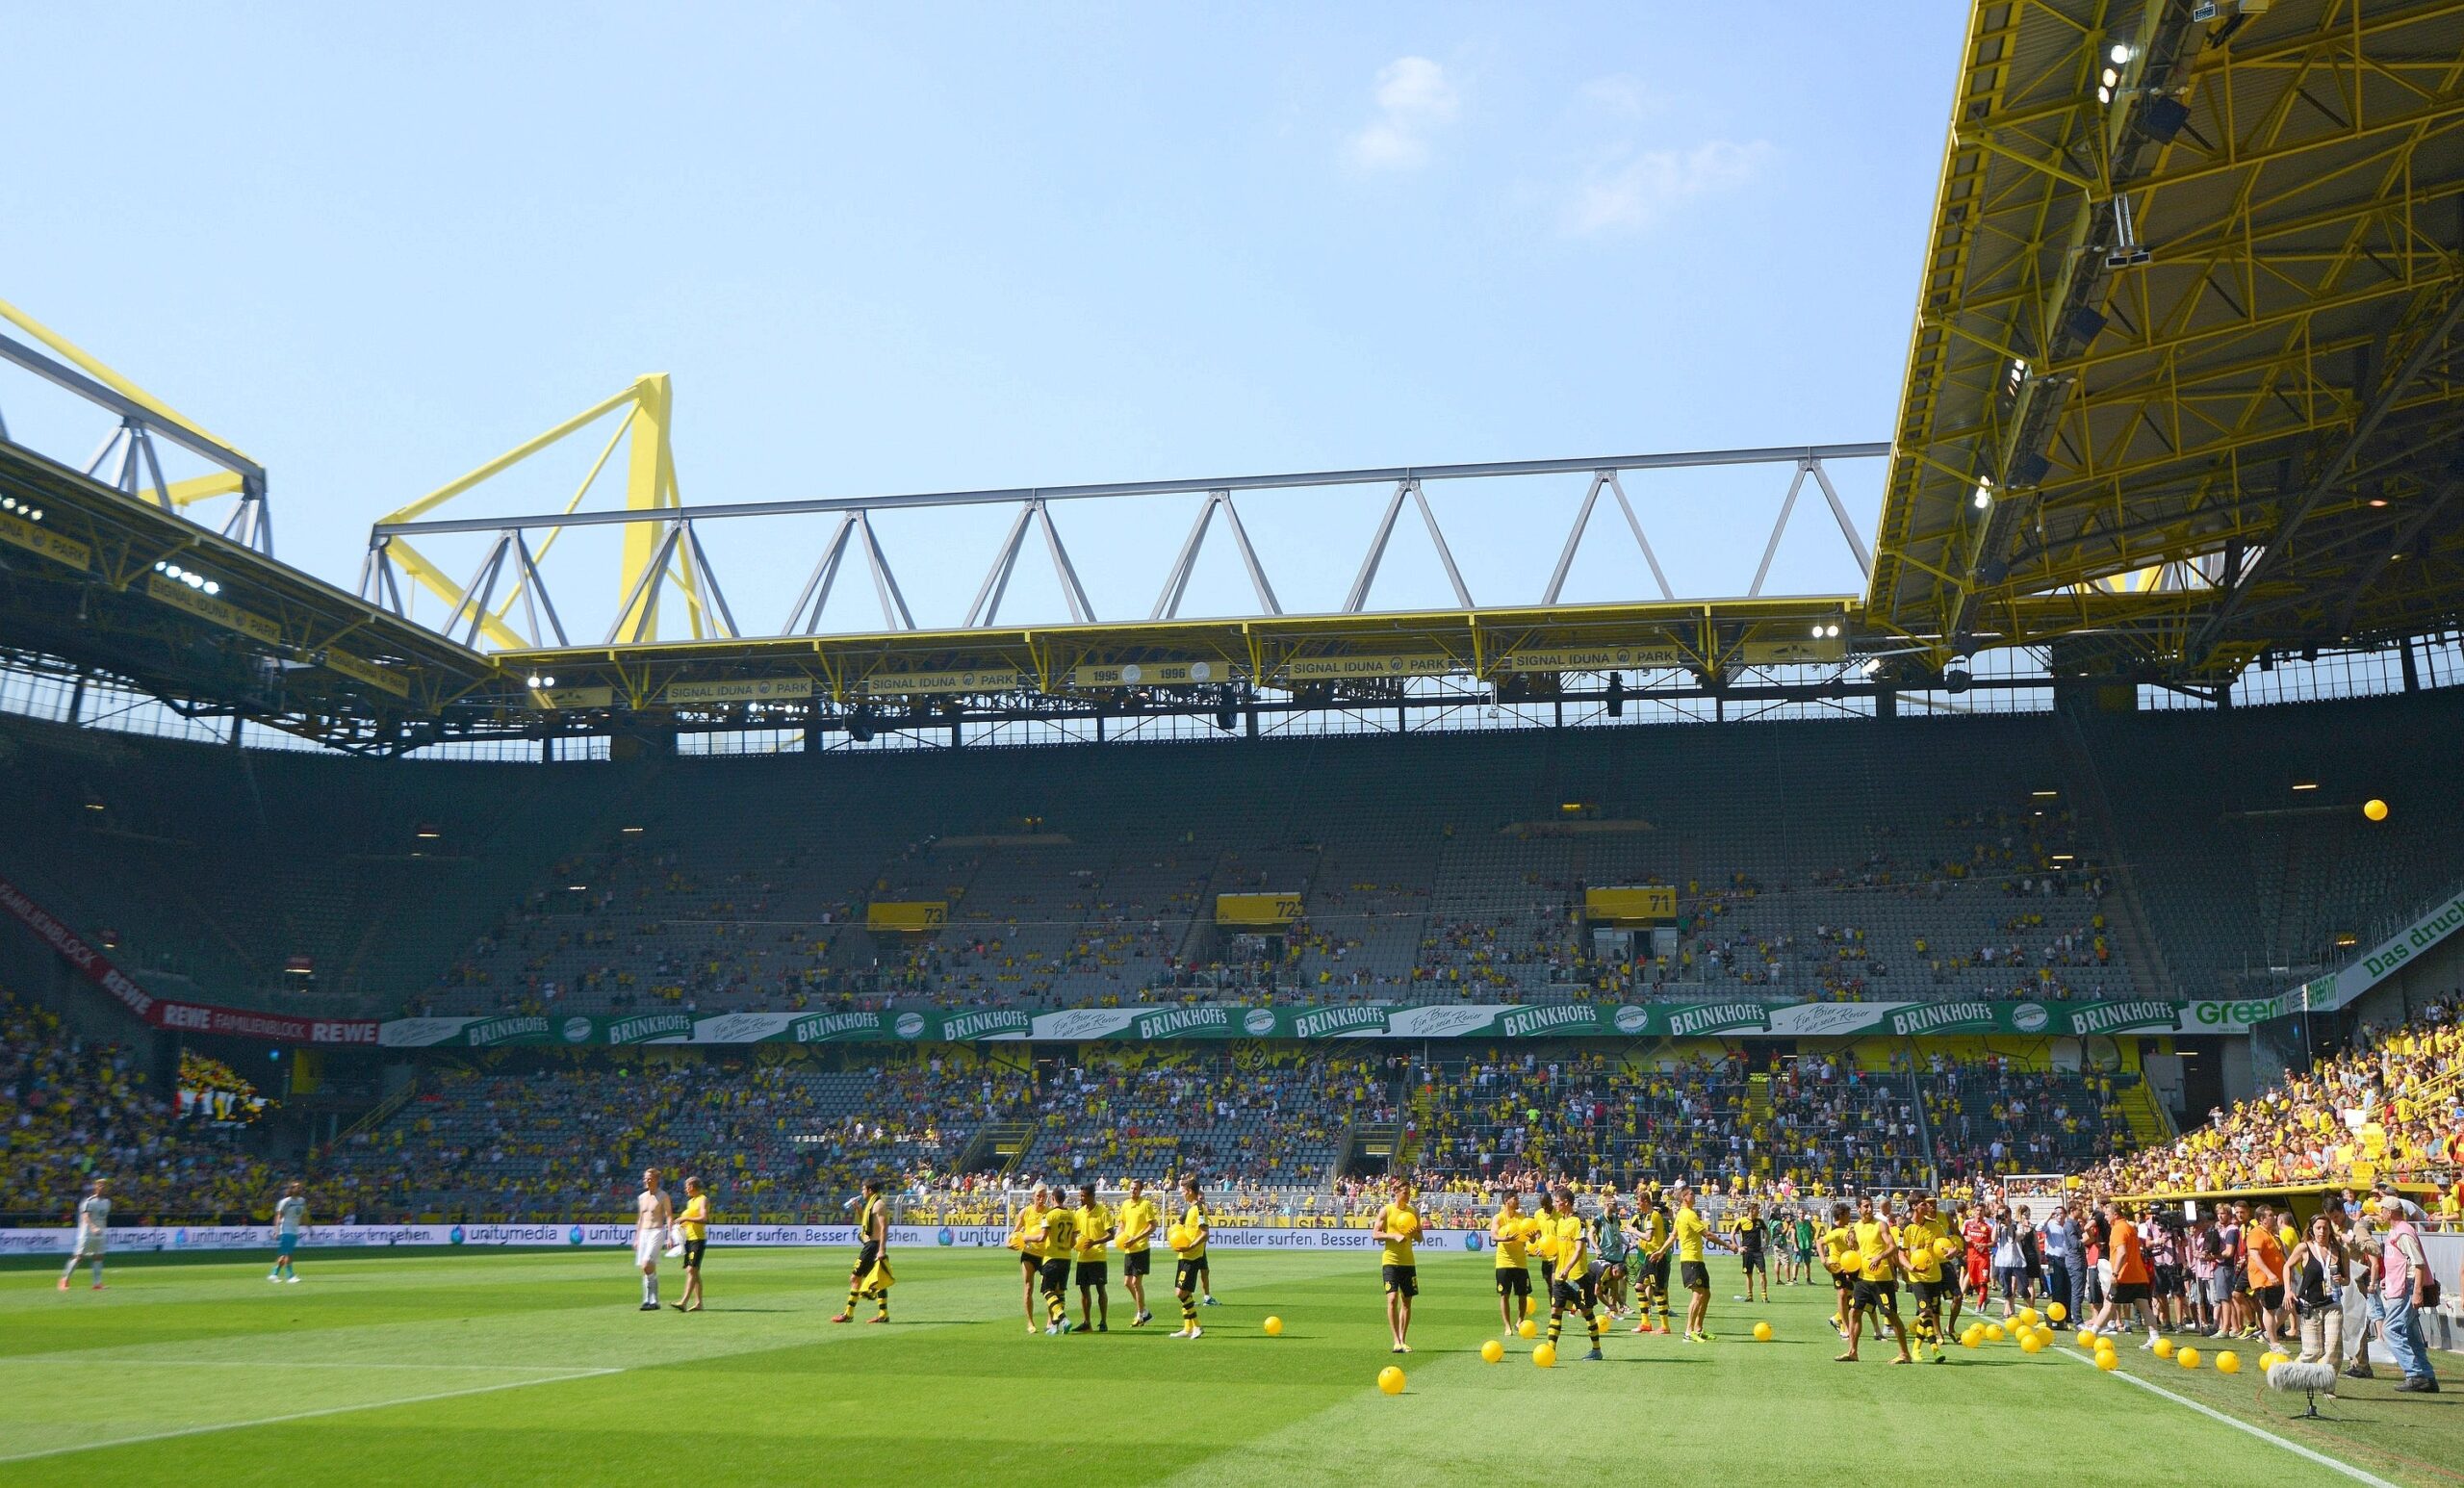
(1984, 497)
(2110, 78)
(2119, 54)
(1872, 665)
(211, 587)
(7, 504)
(2104, 95)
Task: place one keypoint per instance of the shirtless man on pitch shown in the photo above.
(653, 1214)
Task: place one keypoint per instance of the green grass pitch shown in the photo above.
(537, 1368)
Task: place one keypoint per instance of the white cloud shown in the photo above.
(1413, 99)
(1636, 188)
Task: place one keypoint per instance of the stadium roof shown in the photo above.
(2183, 387)
(2185, 361)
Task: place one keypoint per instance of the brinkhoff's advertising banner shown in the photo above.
(580, 1235)
(1738, 1018)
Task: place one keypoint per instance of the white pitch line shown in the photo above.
(308, 1415)
(2239, 1424)
(55, 1359)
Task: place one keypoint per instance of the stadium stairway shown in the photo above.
(1757, 1102)
(2129, 918)
(997, 1147)
(2149, 1124)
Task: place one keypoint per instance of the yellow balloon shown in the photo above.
(1178, 1236)
(2187, 1358)
(2056, 1311)
(2375, 808)
(2027, 1317)
(1529, 1328)
(2029, 1343)
(1272, 1327)
(1971, 1335)
(1762, 1332)
(1994, 1333)
(2164, 1349)
(1391, 1380)
(2228, 1363)
(2107, 1359)
(1492, 1351)
(1530, 1229)
(1545, 1356)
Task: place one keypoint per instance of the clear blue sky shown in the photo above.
(891, 249)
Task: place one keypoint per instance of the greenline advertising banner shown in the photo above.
(2327, 993)
(1731, 1019)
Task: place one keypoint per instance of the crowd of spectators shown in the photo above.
(73, 1109)
(2390, 1106)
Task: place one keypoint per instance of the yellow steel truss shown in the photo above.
(650, 487)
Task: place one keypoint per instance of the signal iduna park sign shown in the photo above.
(1177, 1022)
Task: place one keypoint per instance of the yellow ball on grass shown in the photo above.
(1994, 1333)
(2057, 1312)
(2164, 1349)
(1545, 1356)
(1272, 1327)
(2107, 1360)
(2228, 1363)
(1972, 1335)
(1529, 1328)
(1762, 1332)
(1391, 1380)
(1492, 1351)
(2187, 1358)
(2028, 1317)
(2029, 1343)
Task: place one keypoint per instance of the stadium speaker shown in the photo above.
(2028, 469)
(2165, 119)
(2084, 325)
(1227, 714)
(859, 726)
(1616, 694)
(1956, 675)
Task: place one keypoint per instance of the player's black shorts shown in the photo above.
(1926, 1291)
(1094, 1274)
(1877, 1294)
(1513, 1281)
(2130, 1292)
(1133, 1263)
(1403, 1280)
(1055, 1275)
(1659, 1276)
(1696, 1274)
(1753, 1260)
(869, 1255)
(1185, 1276)
(2269, 1298)
(693, 1250)
(1031, 1262)
(1579, 1296)
(1548, 1273)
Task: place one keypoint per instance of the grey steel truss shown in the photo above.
(128, 458)
(677, 555)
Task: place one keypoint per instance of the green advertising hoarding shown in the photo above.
(1734, 1019)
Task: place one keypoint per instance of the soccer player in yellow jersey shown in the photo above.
(694, 1219)
(1022, 1239)
(1137, 1221)
(1877, 1288)
(1650, 1235)
(872, 1242)
(1514, 1262)
(1925, 1279)
(1395, 1231)
(1576, 1286)
(1056, 1246)
(1189, 1271)
(1688, 1231)
(1095, 1232)
(1839, 1239)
